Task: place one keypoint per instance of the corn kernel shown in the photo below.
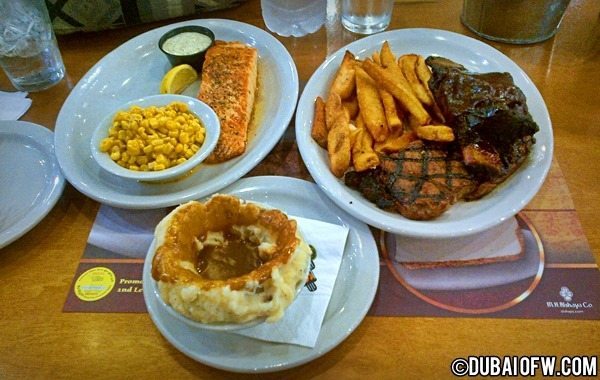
(135, 110)
(141, 160)
(153, 138)
(106, 144)
(171, 125)
(133, 147)
(184, 137)
(160, 158)
(162, 121)
(167, 148)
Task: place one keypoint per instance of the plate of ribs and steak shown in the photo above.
(499, 159)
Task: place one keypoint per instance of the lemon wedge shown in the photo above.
(177, 79)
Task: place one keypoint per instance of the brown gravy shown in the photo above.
(235, 257)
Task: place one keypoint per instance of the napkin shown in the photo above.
(13, 105)
(302, 320)
(499, 242)
(126, 232)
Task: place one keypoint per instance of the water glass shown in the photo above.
(514, 21)
(29, 53)
(294, 17)
(366, 16)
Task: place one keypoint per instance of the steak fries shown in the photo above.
(383, 146)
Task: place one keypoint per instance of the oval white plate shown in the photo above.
(463, 218)
(352, 295)
(30, 179)
(203, 112)
(135, 69)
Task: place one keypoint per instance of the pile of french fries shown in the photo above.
(376, 106)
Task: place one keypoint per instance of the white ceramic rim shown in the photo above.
(43, 140)
(201, 110)
(237, 353)
(89, 97)
(463, 218)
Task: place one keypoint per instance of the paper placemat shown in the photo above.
(556, 277)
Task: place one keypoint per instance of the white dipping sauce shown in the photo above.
(186, 43)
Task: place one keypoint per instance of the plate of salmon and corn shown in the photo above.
(425, 133)
(232, 76)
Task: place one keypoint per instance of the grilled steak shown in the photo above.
(494, 135)
(420, 182)
(489, 115)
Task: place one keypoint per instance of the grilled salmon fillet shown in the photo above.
(228, 86)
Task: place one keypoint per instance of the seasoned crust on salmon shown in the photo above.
(228, 86)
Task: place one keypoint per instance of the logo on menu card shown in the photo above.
(568, 305)
(566, 294)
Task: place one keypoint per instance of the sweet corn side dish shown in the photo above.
(153, 138)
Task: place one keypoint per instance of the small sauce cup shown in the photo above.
(187, 45)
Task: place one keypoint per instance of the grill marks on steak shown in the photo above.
(494, 135)
(420, 182)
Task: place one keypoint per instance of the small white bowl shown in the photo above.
(188, 321)
(222, 326)
(207, 116)
(217, 326)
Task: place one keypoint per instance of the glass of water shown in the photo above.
(294, 17)
(28, 50)
(366, 16)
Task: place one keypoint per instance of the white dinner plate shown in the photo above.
(135, 69)
(463, 218)
(30, 179)
(352, 296)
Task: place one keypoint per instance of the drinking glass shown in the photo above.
(294, 17)
(366, 16)
(514, 21)
(28, 50)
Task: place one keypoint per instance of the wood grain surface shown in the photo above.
(38, 340)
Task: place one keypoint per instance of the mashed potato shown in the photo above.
(225, 261)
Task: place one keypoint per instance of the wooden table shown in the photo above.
(38, 340)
